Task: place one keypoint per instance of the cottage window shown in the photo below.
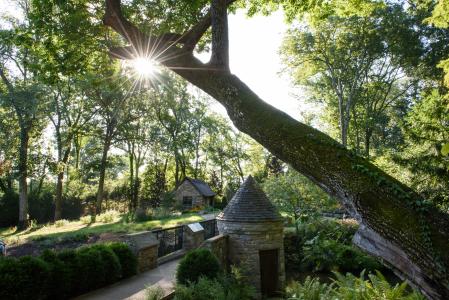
(187, 202)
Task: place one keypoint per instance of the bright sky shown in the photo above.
(254, 45)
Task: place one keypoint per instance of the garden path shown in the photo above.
(134, 288)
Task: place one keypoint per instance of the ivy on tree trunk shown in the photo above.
(396, 225)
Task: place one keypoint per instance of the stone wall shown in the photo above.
(145, 247)
(245, 242)
(193, 236)
(218, 245)
(187, 189)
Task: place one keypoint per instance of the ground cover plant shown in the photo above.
(350, 287)
(323, 245)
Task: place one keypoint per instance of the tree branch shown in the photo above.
(141, 42)
(381, 204)
(6, 81)
(220, 37)
(194, 35)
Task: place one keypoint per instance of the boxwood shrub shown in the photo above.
(61, 275)
(126, 257)
(197, 263)
(24, 278)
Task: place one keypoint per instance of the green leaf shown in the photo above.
(445, 149)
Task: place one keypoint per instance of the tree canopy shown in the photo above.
(104, 104)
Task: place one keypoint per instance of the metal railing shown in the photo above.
(209, 228)
(170, 239)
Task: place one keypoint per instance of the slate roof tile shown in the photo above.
(201, 186)
(250, 204)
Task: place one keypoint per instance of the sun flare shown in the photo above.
(144, 66)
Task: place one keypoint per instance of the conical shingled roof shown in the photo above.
(249, 204)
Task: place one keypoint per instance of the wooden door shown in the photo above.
(269, 271)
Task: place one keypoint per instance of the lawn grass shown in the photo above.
(79, 231)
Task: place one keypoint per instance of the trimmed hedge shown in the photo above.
(127, 259)
(197, 263)
(61, 275)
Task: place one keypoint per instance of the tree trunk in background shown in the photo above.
(59, 185)
(136, 188)
(131, 177)
(176, 172)
(103, 164)
(23, 174)
(58, 196)
(395, 223)
(368, 134)
(77, 152)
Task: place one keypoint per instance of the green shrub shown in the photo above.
(375, 287)
(24, 278)
(92, 266)
(203, 289)
(325, 245)
(108, 216)
(224, 287)
(351, 287)
(60, 286)
(86, 219)
(9, 272)
(35, 275)
(64, 274)
(61, 223)
(111, 263)
(126, 257)
(154, 293)
(236, 286)
(69, 258)
(321, 255)
(143, 215)
(41, 206)
(9, 209)
(197, 263)
(310, 289)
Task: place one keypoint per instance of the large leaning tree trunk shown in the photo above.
(396, 225)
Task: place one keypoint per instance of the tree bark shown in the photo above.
(381, 204)
(23, 174)
(59, 185)
(395, 224)
(131, 177)
(220, 45)
(104, 161)
(368, 134)
(136, 187)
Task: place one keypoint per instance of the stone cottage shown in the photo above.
(255, 238)
(193, 193)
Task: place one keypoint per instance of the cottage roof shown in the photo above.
(201, 186)
(250, 204)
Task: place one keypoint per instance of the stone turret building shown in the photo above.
(256, 239)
